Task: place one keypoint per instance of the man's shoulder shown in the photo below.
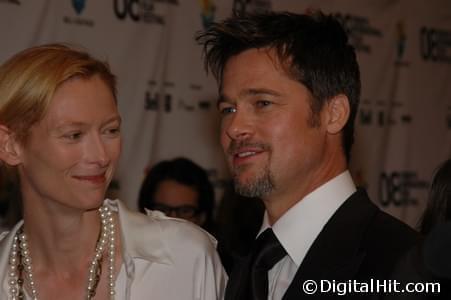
(383, 238)
(380, 226)
(389, 237)
(385, 242)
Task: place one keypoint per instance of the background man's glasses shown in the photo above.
(183, 211)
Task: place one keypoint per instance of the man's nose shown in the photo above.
(240, 126)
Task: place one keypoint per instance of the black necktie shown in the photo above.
(266, 252)
(249, 278)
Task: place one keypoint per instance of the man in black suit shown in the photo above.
(289, 88)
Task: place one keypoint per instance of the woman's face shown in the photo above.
(70, 156)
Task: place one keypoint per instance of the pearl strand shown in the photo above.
(108, 223)
(20, 252)
(14, 280)
(27, 263)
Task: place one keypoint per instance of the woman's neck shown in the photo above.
(61, 242)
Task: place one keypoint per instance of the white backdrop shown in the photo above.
(168, 103)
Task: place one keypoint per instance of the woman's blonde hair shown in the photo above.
(29, 79)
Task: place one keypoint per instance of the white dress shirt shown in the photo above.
(163, 258)
(298, 228)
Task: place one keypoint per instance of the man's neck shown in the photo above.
(281, 200)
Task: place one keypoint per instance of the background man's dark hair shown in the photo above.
(183, 171)
(313, 48)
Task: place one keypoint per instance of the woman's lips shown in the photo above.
(97, 179)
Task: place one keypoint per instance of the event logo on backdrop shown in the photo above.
(17, 2)
(397, 188)
(79, 5)
(76, 19)
(382, 113)
(141, 10)
(257, 6)
(401, 44)
(435, 44)
(208, 10)
(161, 98)
(358, 29)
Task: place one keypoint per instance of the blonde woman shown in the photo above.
(60, 130)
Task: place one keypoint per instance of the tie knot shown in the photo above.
(267, 251)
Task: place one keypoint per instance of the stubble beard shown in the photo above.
(259, 186)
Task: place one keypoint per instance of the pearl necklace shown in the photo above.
(20, 259)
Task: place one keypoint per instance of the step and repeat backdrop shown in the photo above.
(168, 103)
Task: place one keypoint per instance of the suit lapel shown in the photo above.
(336, 253)
(238, 279)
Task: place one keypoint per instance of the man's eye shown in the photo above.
(227, 110)
(263, 103)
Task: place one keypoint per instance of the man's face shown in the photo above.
(266, 128)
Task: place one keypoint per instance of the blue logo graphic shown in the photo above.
(79, 5)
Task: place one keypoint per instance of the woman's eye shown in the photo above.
(113, 131)
(73, 136)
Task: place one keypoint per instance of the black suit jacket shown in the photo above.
(358, 242)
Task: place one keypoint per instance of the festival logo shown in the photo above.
(401, 44)
(79, 5)
(163, 97)
(77, 20)
(17, 2)
(397, 188)
(435, 45)
(158, 97)
(253, 6)
(208, 12)
(359, 30)
(383, 113)
(141, 10)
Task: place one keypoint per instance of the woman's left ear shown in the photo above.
(9, 148)
(338, 110)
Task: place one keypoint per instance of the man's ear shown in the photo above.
(338, 111)
(9, 147)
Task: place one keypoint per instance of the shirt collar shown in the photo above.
(298, 228)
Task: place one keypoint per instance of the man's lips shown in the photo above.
(244, 155)
(244, 151)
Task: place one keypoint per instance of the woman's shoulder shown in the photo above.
(156, 228)
(3, 234)
(179, 230)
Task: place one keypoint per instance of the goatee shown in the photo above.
(258, 187)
